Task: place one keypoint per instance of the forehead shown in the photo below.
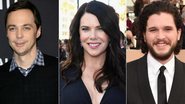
(89, 19)
(161, 19)
(21, 15)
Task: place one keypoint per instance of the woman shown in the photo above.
(94, 72)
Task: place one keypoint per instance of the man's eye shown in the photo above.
(168, 29)
(152, 30)
(11, 29)
(27, 28)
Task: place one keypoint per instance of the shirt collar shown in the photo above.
(155, 65)
(39, 60)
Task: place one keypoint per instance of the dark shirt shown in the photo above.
(40, 86)
(75, 92)
(183, 33)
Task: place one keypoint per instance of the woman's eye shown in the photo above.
(100, 28)
(85, 28)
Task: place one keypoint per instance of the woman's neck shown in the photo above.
(93, 64)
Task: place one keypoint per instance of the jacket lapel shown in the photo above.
(144, 86)
(178, 85)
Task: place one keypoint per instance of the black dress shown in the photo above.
(75, 92)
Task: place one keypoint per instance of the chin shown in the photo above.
(162, 55)
(21, 53)
(94, 55)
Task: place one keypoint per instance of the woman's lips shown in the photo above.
(94, 45)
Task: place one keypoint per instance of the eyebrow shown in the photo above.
(89, 26)
(28, 25)
(163, 27)
(84, 26)
(11, 25)
(151, 28)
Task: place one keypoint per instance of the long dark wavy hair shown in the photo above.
(158, 7)
(113, 69)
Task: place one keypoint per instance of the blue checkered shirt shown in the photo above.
(39, 60)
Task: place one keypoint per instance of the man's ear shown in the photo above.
(39, 32)
(144, 37)
(179, 31)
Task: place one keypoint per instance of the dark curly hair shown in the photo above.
(157, 7)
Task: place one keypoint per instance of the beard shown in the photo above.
(163, 56)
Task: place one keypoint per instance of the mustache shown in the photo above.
(162, 41)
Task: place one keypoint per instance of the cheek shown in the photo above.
(106, 40)
(149, 37)
(104, 36)
(148, 41)
(10, 37)
(83, 37)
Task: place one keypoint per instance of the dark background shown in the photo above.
(48, 42)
